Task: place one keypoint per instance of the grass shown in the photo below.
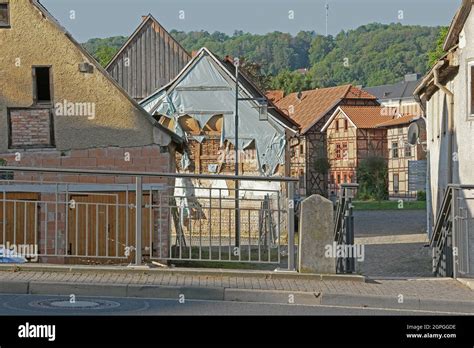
(389, 205)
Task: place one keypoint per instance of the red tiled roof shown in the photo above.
(314, 104)
(367, 116)
(397, 121)
(275, 96)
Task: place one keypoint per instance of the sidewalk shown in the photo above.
(436, 294)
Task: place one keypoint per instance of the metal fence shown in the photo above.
(453, 235)
(344, 226)
(110, 217)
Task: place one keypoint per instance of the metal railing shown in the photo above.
(74, 216)
(344, 227)
(453, 235)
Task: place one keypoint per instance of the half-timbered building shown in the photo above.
(311, 110)
(353, 135)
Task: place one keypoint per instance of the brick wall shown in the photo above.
(30, 127)
(140, 159)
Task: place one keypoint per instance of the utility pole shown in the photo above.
(327, 17)
(236, 146)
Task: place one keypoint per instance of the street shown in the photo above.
(61, 305)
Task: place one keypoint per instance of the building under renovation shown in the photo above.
(199, 105)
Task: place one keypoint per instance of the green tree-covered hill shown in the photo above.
(370, 55)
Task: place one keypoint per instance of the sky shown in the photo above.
(104, 18)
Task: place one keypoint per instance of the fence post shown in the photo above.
(138, 220)
(291, 226)
(455, 250)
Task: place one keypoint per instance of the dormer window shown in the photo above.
(4, 15)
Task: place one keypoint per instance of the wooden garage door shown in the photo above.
(103, 225)
(19, 218)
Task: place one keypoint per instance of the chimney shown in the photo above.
(299, 96)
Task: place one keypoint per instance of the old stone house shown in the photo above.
(60, 109)
(353, 135)
(311, 110)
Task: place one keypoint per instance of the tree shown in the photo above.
(105, 54)
(372, 176)
(435, 54)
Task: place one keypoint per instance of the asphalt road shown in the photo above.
(59, 305)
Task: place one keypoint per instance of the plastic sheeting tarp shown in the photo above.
(205, 91)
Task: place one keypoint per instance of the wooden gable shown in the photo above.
(149, 60)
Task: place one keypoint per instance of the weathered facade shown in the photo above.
(352, 136)
(60, 109)
(447, 95)
(311, 110)
(149, 59)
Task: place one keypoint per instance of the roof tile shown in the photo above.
(314, 104)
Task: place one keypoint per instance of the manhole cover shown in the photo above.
(65, 304)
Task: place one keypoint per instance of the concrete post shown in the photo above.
(316, 234)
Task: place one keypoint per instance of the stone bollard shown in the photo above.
(316, 231)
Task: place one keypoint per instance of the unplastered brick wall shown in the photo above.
(30, 127)
(139, 159)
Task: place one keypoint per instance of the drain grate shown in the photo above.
(66, 304)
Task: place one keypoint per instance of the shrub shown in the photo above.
(421, 196)
(372, 176)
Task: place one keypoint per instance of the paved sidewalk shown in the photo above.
(250, 286)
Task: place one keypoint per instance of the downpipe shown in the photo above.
(450, 96)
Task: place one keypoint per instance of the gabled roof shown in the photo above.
(364, 117)
(314, 104)
(457, 24)
(245, 83)
(99, 68)
(147, 20)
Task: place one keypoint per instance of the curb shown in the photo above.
(469, 282)
(235, 295)
(218, 272)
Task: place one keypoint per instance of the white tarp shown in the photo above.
(204, 91)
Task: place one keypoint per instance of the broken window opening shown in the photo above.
(4, 15)
(42, 84)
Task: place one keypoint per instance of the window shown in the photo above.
(301, 179)
(394, 150)
(301, 150)
(396, 183)
(337, 125)
(42, 84)
(338, 178)
(345, 178)
(4, 15)
(332, 179)
(346, 125)
(345, 151)
(408, 151)
(338, 151)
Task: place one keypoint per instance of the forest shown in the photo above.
(370, 55)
